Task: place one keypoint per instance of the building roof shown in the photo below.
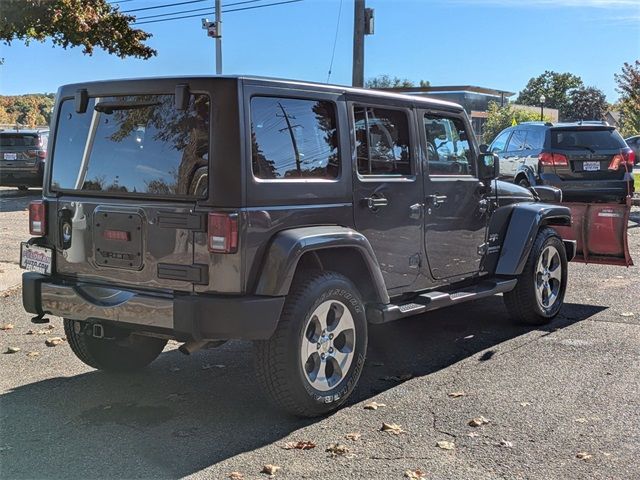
(452, 89)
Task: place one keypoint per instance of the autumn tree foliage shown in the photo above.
(26, 110)
(628, 82)
(88, 24)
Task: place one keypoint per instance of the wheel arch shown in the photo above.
(334, 248)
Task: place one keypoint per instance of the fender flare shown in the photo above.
(288, 246)
(528, 173)
(525, 221)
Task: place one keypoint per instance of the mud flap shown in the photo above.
(600, 230)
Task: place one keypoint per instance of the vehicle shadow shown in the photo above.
(14, 200)
(184, 414)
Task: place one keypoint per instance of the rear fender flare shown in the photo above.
(288, 246)
(528, 173)
(525, 221)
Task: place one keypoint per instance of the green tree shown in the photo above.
(387, 81)
(73, 23)
(589, 103)
(629, 104)
(499, 118)
(556, 87)
(28, 110)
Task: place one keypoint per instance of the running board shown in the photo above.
(436, 300)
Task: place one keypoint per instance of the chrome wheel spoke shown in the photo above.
(556, 273)
(548, 277)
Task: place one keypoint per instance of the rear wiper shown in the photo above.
(584, 147)
(109, 107)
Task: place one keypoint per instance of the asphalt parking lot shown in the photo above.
(561, 402)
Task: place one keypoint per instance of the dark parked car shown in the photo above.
(634, 144)
(22, 157)
(588, 161)
(291, 214)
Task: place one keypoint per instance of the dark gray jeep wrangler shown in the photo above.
(292, 214)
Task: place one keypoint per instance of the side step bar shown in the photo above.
(436, 300)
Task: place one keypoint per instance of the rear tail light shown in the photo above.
(37, 153)
(37, 218)
(222, 232)
(42, 154)
(626, 158)
(552, 159)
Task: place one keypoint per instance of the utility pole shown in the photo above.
(294, 142)
(219, 38)
(362, 25)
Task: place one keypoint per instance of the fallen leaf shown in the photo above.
(584, 456)
(445, 445)
(353, 436)
(302, 445)
(270, 469)
(236, 476)
(478, 421)
(374, 406)
(580, 420)
(472, 434)
(414, 474)
(457, 394)
(524, 404)
(337, 449)
(30, 332)
(392, 428)
(626, 314)
(12, 349)
(33, 354)
(6, 326)
(506, 444)
(53, 341)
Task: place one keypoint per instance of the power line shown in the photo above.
(163, 6)
(224, 11)
(205, 10)
(335, 42)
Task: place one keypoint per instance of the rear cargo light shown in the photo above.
(37, 218)
(626, 156)
(222, 232)
(552, 159)
(119, 235)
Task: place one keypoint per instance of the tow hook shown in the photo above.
(98, 331)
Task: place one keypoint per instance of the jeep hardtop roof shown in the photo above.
(281, 82)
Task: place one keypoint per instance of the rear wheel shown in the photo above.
(122, 352)
(523, 182)
(539, 294)
(312, 362)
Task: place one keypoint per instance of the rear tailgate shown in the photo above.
(125, 173)
(18, 149)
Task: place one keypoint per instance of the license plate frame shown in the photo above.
(10, 156)
(36, 258)
(591, 166)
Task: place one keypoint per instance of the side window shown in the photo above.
(500, 142)
(517, 140)
(448, 150)
(382, 141)
(293, 138)
(535, 139)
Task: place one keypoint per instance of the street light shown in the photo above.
(542, 99)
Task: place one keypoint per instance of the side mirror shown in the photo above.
(488, 166)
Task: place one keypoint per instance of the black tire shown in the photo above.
(121, 353)
(523, 182)
(278, 361)
(23, 188)
(523, 302)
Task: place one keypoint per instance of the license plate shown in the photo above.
(35, 258)
(590, 166)
(10, 156)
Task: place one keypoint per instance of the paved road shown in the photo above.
(548, 394)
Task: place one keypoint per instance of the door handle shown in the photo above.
(436, 199)
(374, 202)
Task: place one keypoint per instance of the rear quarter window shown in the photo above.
(132, 145)
(578, 139)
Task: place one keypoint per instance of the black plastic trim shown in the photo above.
(198, 274)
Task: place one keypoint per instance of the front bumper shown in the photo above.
(185, 317)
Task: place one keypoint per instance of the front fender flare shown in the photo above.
(525, 221)
(288, 246)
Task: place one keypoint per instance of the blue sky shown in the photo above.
(492, 43)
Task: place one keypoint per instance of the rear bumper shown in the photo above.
(589, 190)
(16, 176)
(198, 317)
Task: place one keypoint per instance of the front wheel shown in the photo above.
(312, 362)
(540, 290)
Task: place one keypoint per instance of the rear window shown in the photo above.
(579, 139)
(132, 144)
(18, 140)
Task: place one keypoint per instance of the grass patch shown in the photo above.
(636, 181)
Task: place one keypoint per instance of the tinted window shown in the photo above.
(535, 139)
(448, 151)
(500, 142)
(293, 138)
(579, 139)
(516, 142)
(18, 140)
(382, 141)
(134, 144)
